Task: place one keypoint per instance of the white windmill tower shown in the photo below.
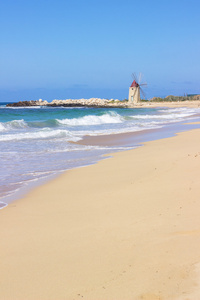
(135, 89)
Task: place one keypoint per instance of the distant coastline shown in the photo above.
(92, 102)
(189, 100)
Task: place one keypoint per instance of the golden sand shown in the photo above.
(172, 104)
(127, 228)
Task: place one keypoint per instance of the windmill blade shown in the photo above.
(134, 77)
(139, 78)
(142, 84)
(143, 93)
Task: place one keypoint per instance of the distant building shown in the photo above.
(134, 93)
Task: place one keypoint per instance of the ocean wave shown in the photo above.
(42, 124)
(42, 134)
(15, 124)
(170, 116)
(109, 118)
(21, 124)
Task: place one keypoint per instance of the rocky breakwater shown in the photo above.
(92, 102)
(39, 102)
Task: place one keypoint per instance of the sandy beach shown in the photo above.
(172, 104)
(125, 228)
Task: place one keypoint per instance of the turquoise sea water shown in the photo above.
(37, 142)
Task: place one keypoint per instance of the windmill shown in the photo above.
(135, 89)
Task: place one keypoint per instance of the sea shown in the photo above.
(37, 143)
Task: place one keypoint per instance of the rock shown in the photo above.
(92, 102)
(28, 103)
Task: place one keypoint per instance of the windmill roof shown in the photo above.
(134, 84)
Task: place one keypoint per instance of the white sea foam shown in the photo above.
(109, 118)
(2, 127)
(77, 148)
(131, 128)
(162, 117)
(24, 107)
(42, 134)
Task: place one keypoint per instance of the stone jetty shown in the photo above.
(92, 102)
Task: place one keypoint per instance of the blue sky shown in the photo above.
(73, 49)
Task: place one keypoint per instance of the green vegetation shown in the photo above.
(144, 101)
(172, 98)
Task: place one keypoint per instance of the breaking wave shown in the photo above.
(109, 118)
(15, 124)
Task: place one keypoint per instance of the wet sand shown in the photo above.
(135, 139)
(125, 228)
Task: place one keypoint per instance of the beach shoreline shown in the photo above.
(125, 141)
(111, 142)
(124, 228)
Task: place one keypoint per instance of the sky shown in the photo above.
(81, 49)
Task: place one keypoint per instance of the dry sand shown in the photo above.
(127, 228)
(189, 103)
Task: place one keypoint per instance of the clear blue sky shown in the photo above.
(68, 49)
